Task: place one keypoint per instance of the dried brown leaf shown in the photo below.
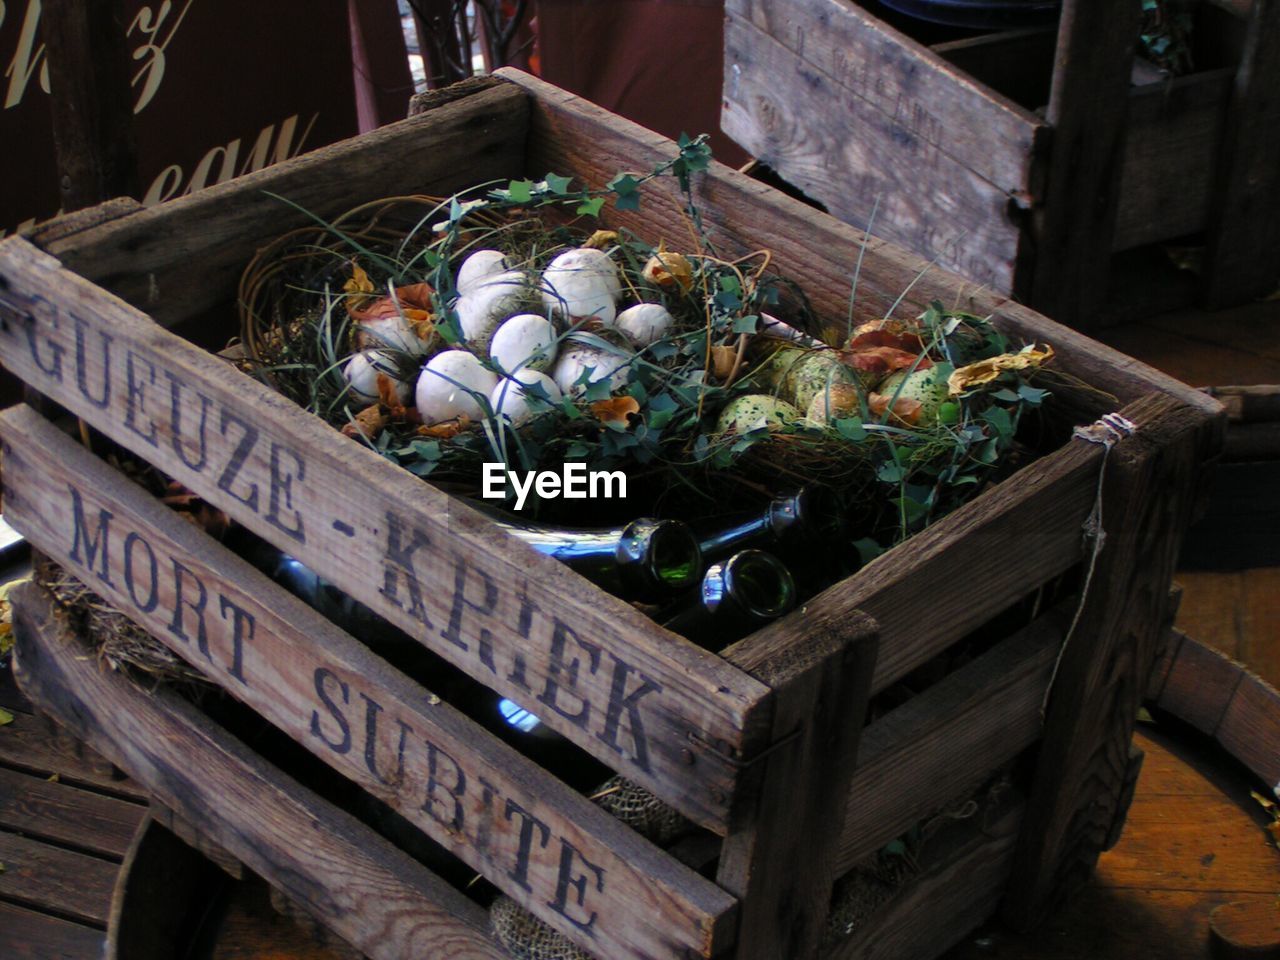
(615, 409)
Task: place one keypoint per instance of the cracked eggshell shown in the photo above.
(526, 341)
(582, 283)
(393, 333)
(773, 327)
(361, 373)
(446, 384)
(509, 398)
(576, 358)
(480, 266)
(487, 304)
(645, 323)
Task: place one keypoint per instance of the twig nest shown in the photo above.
(490, 301)
(526, 341)
(773, 327)
(480, 266)
(754, 410)
(448, 384)
(363, 371)
(926, 387)
(644, 323)
(838, 402)
(524, 395)
(581, 365)
(395, 332)
(581, 284)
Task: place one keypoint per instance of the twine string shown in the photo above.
(1107, 431)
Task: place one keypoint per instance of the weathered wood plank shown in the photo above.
(91, 100)
(28, 935)
(597, 669)
(928, 99)
(1036, 519)
(179, 258)
(66, 225)
(557, 853)
(816, 251)
(1088, 104)
(1246, 204)
(1149, 490)
(783, 865)
(55, 880)
(849, 154)
(1016, 63)
(944, 743)
(373, 895)
(1170, 158)
(53, 811)
(949, 899)
(36, 745)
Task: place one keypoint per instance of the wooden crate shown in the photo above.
(756, 745)
(946, 144)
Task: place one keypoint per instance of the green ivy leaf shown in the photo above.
(590, 208)
(557, 184)
(577, 451)
(745, 324)
(949, 412)
(851, 430)
(628, 201)
(521, 191)
(891, 472)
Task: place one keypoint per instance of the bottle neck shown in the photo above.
(737, 596)
(787, 525)
(645, 559)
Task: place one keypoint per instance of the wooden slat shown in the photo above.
(848, 153)
(1170, 158)
(943, 744)
(783, 865)
(36, 745)
(67, 815)
(1224, 700)
(594, 667)
(495, 809)
(941, 906)
(932, 102)
(91, 99)
(181, 257)
(1010, 540)
(1016, 63)
(372, 894)
(816, 251)
(1150, 487)
(1088, 104)
(28, 935)
(1246, 205)
(54, 880)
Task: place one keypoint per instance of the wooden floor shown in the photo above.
(66, 819)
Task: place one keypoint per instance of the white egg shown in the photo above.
(526, 341)
(576, 359)
(447, 384)
(362, 370)
(582, 283)
(644, 323)
(511, 399)
(478, 266)
(394, 333)
(490, 301)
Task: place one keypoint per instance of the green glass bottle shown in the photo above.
(789, 526)
(737, 596)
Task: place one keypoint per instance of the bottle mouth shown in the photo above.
(760, 584)
(674, 560)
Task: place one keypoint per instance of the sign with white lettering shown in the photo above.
(220, 89)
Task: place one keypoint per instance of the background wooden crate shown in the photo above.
(946, 144)
(756, 746)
